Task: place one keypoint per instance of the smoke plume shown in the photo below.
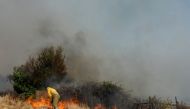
(142, 45)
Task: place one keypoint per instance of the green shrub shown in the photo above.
(21, 83)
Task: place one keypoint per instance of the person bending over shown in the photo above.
(54, 97)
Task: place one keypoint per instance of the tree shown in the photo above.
(48, 66)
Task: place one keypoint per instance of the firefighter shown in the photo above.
(54, 96)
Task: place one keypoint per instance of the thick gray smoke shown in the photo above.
(141, 44)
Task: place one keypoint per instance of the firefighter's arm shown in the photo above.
(49, 93)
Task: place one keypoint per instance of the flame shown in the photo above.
(63, 104)
(100, 106)
(45, 102)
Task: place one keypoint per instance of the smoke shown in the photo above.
(142, 45)
(26, 30)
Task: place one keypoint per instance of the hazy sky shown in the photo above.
(143, 44)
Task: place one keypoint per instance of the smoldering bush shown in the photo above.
(93, 93)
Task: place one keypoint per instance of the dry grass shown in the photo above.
(8, 102)
(72, 106)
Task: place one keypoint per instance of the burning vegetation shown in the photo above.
(43, 102)
(48, 68)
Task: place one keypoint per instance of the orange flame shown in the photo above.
(63, 104)
(44, 102)
(100, 106)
